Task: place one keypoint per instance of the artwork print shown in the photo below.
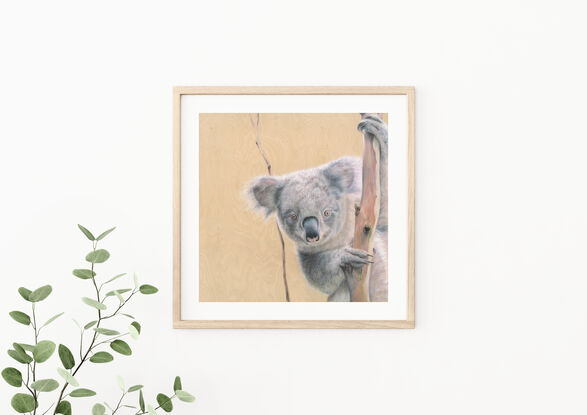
(286, 209)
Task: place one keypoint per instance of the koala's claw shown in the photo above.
(373, 125)
(355, 258)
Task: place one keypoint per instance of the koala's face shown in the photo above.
(310, 212)
(310, 205)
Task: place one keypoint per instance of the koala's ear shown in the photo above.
(265, 191)
(341, 174)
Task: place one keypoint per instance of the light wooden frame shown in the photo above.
(178, 323)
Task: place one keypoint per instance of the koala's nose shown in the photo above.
(310, 225)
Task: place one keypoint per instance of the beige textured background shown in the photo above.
(240, 253)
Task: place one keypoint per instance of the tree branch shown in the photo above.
(268, 164)
(366, 216)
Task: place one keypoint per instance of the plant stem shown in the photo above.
(34, 368)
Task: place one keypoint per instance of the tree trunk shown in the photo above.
(366, 215)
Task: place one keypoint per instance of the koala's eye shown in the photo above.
(292, 217)
(327, 212)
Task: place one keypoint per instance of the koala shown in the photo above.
(315, 208)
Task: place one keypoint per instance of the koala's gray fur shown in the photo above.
(316, 209)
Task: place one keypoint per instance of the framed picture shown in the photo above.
(293, 207)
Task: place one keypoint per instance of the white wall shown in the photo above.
(85, 130)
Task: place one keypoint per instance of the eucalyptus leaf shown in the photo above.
(20, 317)
(177, 384)
(106, 332)
(98, 409)
(52, 319)
(12, 376)
(164, 402)
(120, 382)
(23, 403)
(120, 291)
(43, 351)
(137, 326)
(64, 408)
(86, 232)
(141, 401)
(40, 293)
(133, 332)
(127, 315)
(152, 411)
(135, 388)
(98, 256)
(19, 357)
(84, 274)
(121, 347)
(66, 356)
(147, 289)
(68, 377)
(101, 357)
(27, 347)
(19, 352)
(93, 303)
(184, 396)
(119, 297)
(90, 324)
(136, 280)
(45, 385)
(81, 393)
(25, 293)
(115, 278)
(103, 234)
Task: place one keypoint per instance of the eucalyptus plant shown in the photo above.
(97, 339)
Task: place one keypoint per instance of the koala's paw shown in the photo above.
(374, 125)
(356, 258)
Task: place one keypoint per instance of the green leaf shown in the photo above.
(19, 354)
(45, 385)
(115, 278)
(64, 408)
(81, 393)
(98, 409)
(120, 382)
(12, 376)
(127, 315)
(141, 401)
(137, 326)
(147, 289)
(165, 402)
(27, 347)
(184, 396)
(68, 377)
(84, 274)
(135, 277)
(25, 293)
(43, 351)
(98, 256)
(93, 303)
(66, 356)
(120, 291)
(152, 411)
(90, 324)
(52, 319)
(19, 357)
(121, 347)
(101, 357)
(177, 384)
(20, 317)
(86, 232)
(135, 388)
(23, 403)
(132, 330)
(103, 234)
(40, 293)
(106, 332)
